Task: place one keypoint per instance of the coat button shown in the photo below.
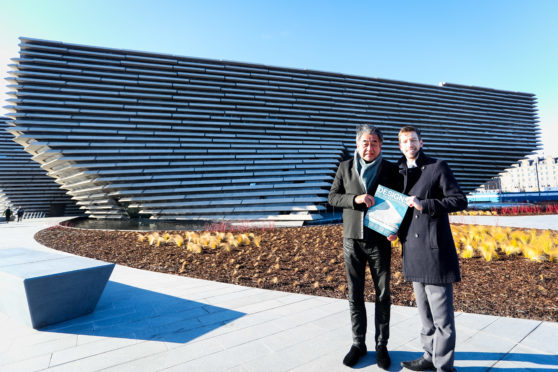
(416, 215)
(416, 235)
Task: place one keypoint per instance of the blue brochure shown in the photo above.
(386, 214)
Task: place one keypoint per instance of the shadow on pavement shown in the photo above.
(547, 362)
(125, 311)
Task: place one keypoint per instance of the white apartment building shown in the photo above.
(531, 175)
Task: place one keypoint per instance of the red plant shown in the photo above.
(527, 210)
(552, 208)
(221, 226)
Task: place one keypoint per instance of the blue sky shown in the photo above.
(501, 44)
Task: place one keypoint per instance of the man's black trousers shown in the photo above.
(378, 256)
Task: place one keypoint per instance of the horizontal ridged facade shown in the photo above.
(24, 184)
(189, 138)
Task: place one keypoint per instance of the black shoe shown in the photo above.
(419, 364)
(354, 355)
(382, 357)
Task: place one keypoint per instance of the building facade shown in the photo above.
(537, 174)
(24, 184)
(189, 138)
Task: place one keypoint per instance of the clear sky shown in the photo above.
(500, 44)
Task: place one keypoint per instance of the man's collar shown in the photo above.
(411, 163)
(419, 161)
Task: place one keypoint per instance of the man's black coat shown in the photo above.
(429, 254)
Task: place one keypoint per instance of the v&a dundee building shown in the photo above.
(189, 138)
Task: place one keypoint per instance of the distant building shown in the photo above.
(539, 174)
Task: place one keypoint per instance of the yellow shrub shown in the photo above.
(225, 246)
(553, 254)
(179, 240)
(160, 240)
(487, 241)
(513, 247)
(488, 250)
(467, 252)
(213, 243)
(153, 238)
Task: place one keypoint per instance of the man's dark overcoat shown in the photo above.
(347, 185)
(429, 254)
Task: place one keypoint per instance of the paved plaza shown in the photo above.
(147, 321)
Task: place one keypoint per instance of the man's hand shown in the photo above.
(413, 202)
(365, 199)
(392, 237)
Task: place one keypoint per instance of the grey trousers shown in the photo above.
(377, 255)
(435, 307)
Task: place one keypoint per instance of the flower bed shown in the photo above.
(310, 260)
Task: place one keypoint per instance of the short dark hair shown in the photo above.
(410, 128)
(369, 129)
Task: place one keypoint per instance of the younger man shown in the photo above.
(429, 256)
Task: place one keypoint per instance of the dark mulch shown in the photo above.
(310, 260)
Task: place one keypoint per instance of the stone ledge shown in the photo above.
(42, 288)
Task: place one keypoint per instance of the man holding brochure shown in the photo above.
(429, 256)
(353, 188)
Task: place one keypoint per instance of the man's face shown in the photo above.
(369, 147)
(410, 145)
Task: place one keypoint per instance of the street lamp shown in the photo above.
(537, 172)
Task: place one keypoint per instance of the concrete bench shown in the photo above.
(41, 288)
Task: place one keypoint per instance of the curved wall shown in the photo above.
(180, 137)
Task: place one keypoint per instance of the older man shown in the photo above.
(353, 188)
(429, 256)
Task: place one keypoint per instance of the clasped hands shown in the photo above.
(365, 199)
(412, 201)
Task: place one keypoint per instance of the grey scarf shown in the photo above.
(367, 171)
